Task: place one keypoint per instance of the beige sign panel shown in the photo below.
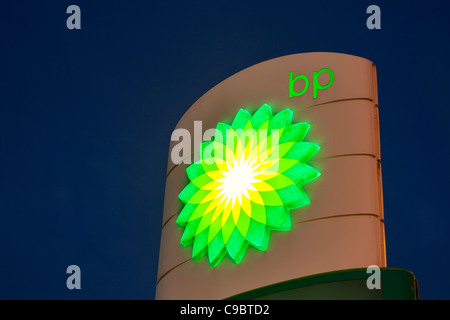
(342, 228)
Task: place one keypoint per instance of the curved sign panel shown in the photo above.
(274, 174)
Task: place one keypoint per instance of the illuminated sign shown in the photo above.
(251, 178)
(246, 182)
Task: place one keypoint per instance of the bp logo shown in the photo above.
(246, 182)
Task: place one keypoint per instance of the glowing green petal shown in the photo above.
(259, 213)
(209, 166)
(228, 228)
(216, 250)
(241, 119)
(200, 247)
(185, 214)
(187, 193)
(221, 132)
(235, 245)
(281, 120)
(261, 116)
(282, 149)
(282, 165)
(258, 235)
(243, 224)
(215, 228)
(302, 151)
(275, 216)
(190, 232)
(196, 198)
(195, 170)
(278, 218)
(199, 211)
(271, 198)
(302, 173)
(280, 181)
(202, 180)
(295, 132)
(207, 150)
(293, 197)
(205, 222)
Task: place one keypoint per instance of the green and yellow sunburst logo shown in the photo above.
(245, 184)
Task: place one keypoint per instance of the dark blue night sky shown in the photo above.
(86, 117)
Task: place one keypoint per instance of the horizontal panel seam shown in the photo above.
(373, 215)
(319, 159)
(173, 215)
(346, 155)
(298, 110)
(324, 158)
(339, 216)
(334, 101)
(170, 270)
